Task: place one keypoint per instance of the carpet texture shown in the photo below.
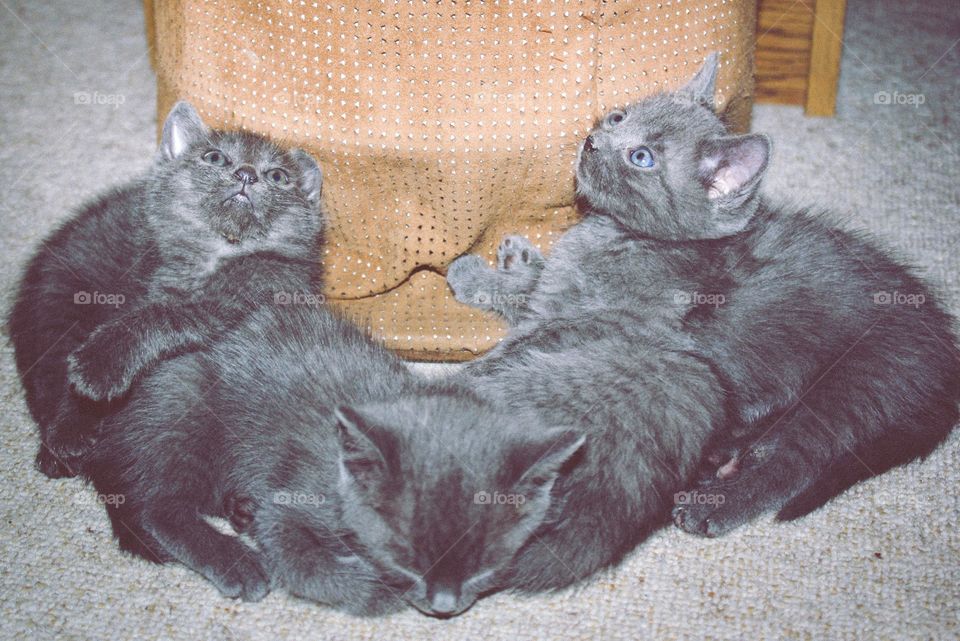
(880, 562)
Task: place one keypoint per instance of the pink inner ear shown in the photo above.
(728, 179)
(742, 162)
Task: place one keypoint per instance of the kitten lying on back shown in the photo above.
(597, 343)
(223, 222)
(825, 379)
(220, 222)
(356, 479)
(831, 380)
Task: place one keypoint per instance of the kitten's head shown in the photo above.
(238, 184)
(665, 167)
(442, 491)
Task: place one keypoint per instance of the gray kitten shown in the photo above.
(357, 481)
(211, 395)
(222, 221)
(597, 343)
(831, 360)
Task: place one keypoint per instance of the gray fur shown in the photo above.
(356, 479)
(830, 380)
(205, 394)
(801, 376)
(185, 256)
(599, 348)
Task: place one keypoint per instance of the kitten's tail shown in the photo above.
(912, 438)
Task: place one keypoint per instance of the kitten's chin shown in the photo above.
(585, 191)
(443, 606)
(235, 219)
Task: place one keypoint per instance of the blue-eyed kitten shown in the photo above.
(824, 379)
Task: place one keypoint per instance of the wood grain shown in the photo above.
(784, 31)
(799, 43)
(825, 51)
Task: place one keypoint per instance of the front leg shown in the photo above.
(506, 290)
(235, 569)
(104, 367)
(312, 561)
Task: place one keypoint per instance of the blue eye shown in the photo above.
(642, 157)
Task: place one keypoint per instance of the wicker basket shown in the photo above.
(440, 127)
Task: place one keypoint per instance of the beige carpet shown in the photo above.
(880, 562)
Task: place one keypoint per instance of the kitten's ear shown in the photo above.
(732, 168)
(364, 449)
(182, 129)
(310, 178)
(544, 460)
(701, 88)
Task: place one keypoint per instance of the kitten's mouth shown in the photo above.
(237, 215)
(239, 198)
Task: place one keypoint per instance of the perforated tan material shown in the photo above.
(440, 126)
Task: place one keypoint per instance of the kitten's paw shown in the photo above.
(467, 277)
(100, 369)
(721, 463)
(245, 579)
(53, 466)
(62, 455)
(239, 510)
(516, 253)
(716, 507)
(699, 520)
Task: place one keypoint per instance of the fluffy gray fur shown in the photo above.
(686, 307)
(221, 221)
(211, 395)
(356, 480)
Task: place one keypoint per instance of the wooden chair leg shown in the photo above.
(825, 50)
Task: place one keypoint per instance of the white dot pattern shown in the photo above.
(440, 126)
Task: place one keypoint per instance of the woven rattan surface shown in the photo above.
(440, 126)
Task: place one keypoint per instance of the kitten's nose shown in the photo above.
(444, 602)
(588, 144)
(246, 174)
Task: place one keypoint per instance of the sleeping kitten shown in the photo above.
(220, 222)
(357, 480)
(829, 376)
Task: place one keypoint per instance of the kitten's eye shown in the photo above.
(216, 157)
(278, 176)
(615, 118)
(642, 157)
